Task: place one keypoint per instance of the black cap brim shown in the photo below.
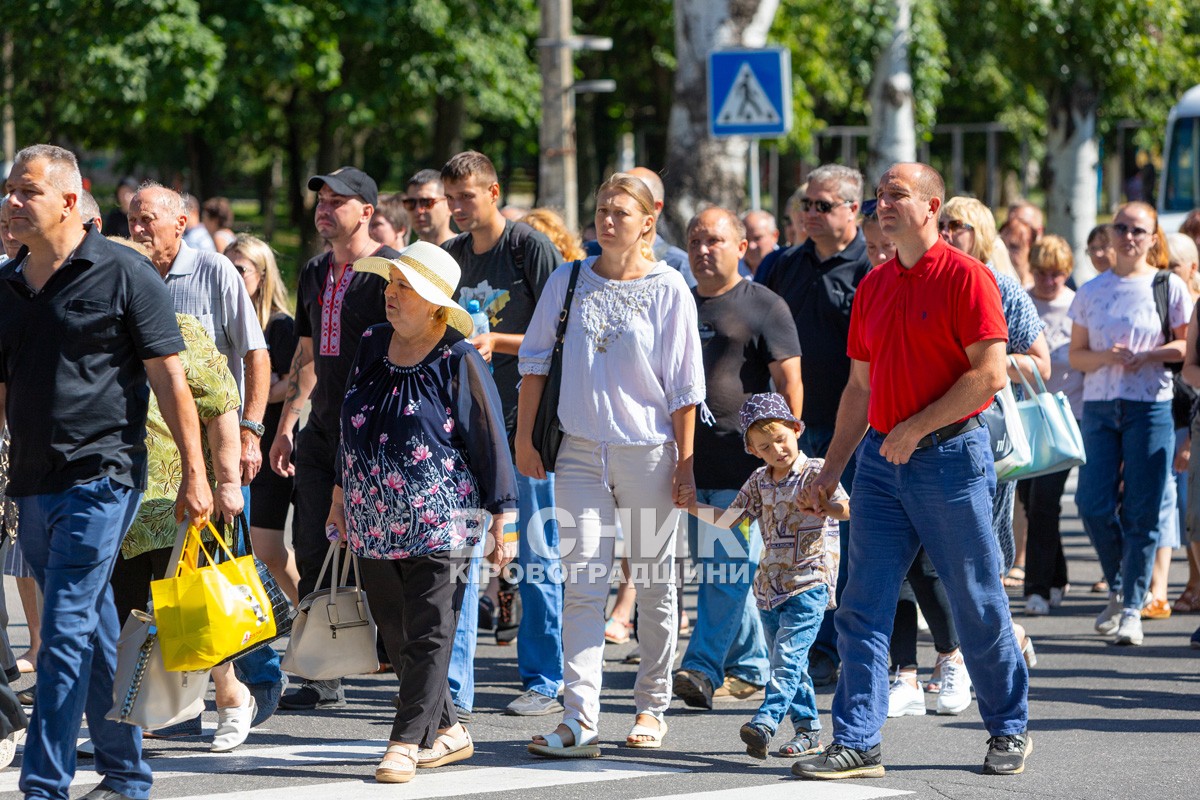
(336, 185)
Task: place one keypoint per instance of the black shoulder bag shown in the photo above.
(547, 434)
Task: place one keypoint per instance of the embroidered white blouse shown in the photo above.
(631, 356)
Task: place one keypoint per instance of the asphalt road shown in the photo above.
(1107, 722)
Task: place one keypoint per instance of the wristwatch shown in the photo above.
(257, 428)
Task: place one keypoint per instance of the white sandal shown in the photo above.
(456, 749)
(656, 735)
(399, 764)
(584, 747)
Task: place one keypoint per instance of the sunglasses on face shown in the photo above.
(1122, 229)
(822, 206)
(954, 226)
(424, 203)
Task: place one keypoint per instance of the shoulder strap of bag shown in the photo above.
(561, 333)
(516, 243)
(1162, 302)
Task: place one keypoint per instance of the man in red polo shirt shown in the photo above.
(927, 339)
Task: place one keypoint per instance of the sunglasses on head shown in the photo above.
(424, 203)
(954, 226)
(822, 206)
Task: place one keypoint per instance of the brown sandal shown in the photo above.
(1188, 602)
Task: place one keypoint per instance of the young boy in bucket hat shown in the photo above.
(798, 569)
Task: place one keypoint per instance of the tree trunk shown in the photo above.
(700, 169)
(450, 113)
(893, 127)
(1072, 155)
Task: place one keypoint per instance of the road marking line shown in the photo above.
(794, 790)
(459, 782)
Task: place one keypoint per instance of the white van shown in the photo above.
(1179, 186)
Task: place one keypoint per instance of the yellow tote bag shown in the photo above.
(207, 613)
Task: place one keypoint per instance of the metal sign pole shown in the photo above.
(755, 188)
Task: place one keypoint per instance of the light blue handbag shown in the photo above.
(1055, 442)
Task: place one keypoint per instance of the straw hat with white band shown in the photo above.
(431, 272)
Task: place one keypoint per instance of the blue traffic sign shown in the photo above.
(750, 92)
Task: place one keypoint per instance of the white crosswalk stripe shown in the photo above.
(350, 764)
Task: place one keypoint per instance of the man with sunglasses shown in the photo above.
(425, 202)
(818, 279)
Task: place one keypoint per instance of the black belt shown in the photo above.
(950, 431)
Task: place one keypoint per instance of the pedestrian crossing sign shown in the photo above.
(750, 92)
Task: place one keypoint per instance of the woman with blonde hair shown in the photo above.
(632, 377)
(972, 229)
(548, 221)
(270, 493)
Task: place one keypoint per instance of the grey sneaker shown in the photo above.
(533, 704)
(1006, 754)
(1110, 617)
(1129, 631)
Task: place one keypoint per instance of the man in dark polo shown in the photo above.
(818, 279)
(928, 340)
(83, 324)
(334, 306)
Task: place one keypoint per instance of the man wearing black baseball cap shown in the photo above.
(334, 305)
(348, 182)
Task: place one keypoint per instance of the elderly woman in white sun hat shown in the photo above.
(423, 449)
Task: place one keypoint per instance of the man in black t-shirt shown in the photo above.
(818, 280)
(504, 266)
(334, 305)
(748, 340)
(84, 324)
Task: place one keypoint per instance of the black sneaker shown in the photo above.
(313, 695)
(839, 762)
(508, 620)
(1006, 754)
(822, 669)
(693, 688)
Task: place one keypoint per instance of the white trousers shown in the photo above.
(598, 486)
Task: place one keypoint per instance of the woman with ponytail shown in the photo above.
(632, 376)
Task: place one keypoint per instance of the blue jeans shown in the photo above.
(729, 635)
(462, 654)
(70, 540)
(1133, 442)
(539, 639)
(942, 499)
(815, 443)
(259, 667)
(791, 627)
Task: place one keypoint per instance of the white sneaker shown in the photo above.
(1036, 606)
(233, 725)
(905, 699)
(1108, 619)
(1057, 595)
(533, 704)
(956, 688)
(1129, 631)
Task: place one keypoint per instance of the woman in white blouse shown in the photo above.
(632, 377)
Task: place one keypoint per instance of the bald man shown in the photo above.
(927, 339)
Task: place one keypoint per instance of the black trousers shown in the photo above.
(316, 454)
(1045, 562)
(921, 586)
(415, 602)
(131, 579)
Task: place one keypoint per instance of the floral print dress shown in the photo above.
(424, 450)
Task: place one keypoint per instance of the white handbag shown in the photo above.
(1055, 441)
(333, 634)
(1010, 445)
(144, 692)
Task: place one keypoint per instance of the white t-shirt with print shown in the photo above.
(1118, 310)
